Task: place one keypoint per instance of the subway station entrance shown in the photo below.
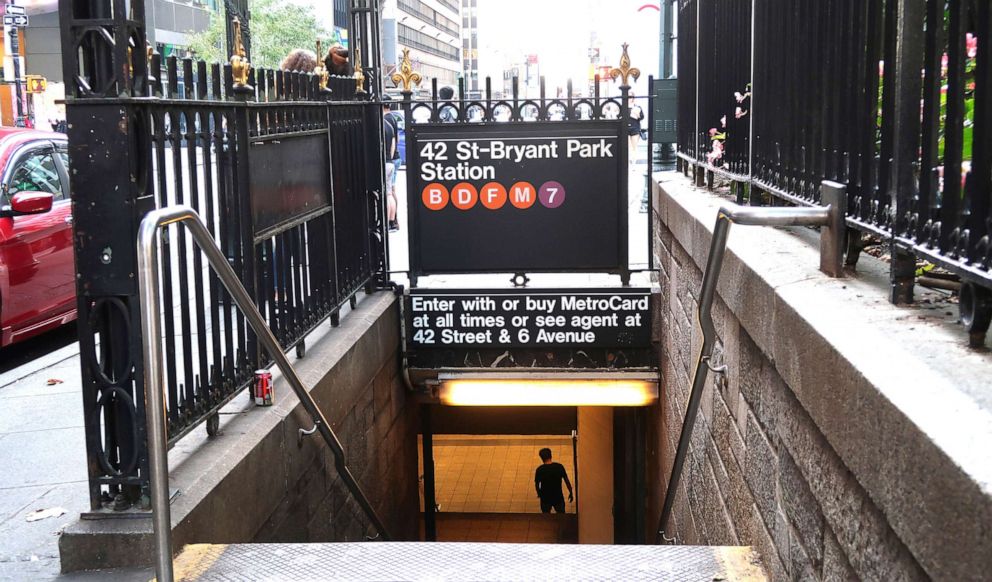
(498, 191)
(484, 463)
(519, 324)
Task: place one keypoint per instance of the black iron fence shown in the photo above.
(891, 97)
(510, 106)
(287, 176)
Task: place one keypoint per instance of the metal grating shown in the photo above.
(464, 561)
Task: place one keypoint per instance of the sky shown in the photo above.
(559, 32)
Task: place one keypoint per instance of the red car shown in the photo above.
(37, 270)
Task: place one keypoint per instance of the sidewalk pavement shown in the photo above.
(44, 462)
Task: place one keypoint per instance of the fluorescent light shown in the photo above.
(467, 391)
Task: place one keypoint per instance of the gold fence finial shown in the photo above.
(359, 72)
(320, 71)
(240, 67)
(406, 75)
(625, 71)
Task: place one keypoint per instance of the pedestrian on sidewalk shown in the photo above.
(547, 481)
(299, 60)
(389, 152)
(393, 118)
(447, 113)
(337, 61)
(634, 117)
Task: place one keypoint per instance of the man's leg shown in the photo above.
(559, 506)
(545, 506)
(392, 192)
(390, 200)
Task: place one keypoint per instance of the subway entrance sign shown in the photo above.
(521, 331)
(533, 318)
(517, 197)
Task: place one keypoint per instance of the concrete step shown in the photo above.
(464, 561)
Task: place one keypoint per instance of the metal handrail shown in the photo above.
(151, 328)
(829, 217)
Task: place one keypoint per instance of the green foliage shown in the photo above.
(276, 28)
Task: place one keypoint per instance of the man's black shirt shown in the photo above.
(388, 140)
(547, 480)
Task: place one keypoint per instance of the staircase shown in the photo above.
(465, 561)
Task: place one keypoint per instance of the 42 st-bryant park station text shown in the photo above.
(529, 320)
(461, 160)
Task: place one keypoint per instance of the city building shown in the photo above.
(170, 21)
(470, 48)
(336, 22)
(340, 24)
(40, 48)
(432, 31)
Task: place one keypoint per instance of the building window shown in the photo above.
(429, 15)
(420, 41)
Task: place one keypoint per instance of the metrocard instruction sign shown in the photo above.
(547, 318)
(517, 197)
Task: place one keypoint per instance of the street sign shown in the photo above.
(511, 198)
(15, 20)
(14, 9)
(533, 318)
(36, 84)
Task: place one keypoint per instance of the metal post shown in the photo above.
(238, 9)
(575, 467)
(823, 216)
(834, 197)
(430, 501)
(697, 172)
(104, 190)
(413, 227)
(15, 57)
(649, 179)
(667, 37)
(158, 456)
(640, 485)
(364, 37)
(624, 161)
(750, 124)
(902, 183)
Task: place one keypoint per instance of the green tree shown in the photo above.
(277, 27)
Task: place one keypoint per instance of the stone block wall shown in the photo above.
(257, 481)
(761, 471)
(379, 433)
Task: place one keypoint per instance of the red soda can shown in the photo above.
(263, 388)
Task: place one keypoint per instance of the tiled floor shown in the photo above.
(493, 474)
(507, 527)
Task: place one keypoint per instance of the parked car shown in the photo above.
(37, 270)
